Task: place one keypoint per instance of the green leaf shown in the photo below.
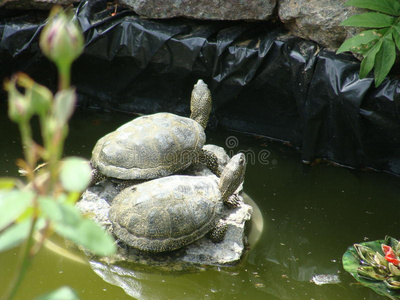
(64, 104)
(69, 223)
(62, 293)
(95, 239)
(384, 60)
(75, 174)
(12, 204)
(7, 183)
(19, 109)
(396, 35)
(363, 38)
(369, 20)
(41, 98)
(369, 60)
(38, 96)
(391, 7)
(392, 242)
(15, 235)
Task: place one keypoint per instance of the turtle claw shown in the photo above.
(218, 233)
(96, 177)
(233, 201)
(127, 183)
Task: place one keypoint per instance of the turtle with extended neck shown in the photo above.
(168, 213)
(156, 145)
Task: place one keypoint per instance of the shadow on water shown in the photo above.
(311, 215)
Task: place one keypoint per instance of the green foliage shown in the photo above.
(372, 267)
(72, 166)
(369, 20)
(7, 183)
(389, 7)
(12, 204)
(69, 222)
(15, 235)
(46, 204)
(377, 46)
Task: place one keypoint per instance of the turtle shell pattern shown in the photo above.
(166, 213)
(149, 147)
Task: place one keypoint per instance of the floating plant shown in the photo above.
(376, 264)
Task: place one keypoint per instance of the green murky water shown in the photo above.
(311, 216)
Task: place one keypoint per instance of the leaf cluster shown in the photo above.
(54, 188)
(366, 263)
(46, 203)
(378, 44)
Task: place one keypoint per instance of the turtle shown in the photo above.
(168, 213)
(156, 145)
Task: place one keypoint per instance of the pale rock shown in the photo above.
(318, 20)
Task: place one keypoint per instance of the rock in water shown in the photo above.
(95, 202)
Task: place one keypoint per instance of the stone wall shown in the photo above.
(316, 20)
(203, 9)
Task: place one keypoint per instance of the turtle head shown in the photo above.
(232, 175)
(200, 103)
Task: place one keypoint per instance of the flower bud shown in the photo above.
(19, 108)
(61, 39)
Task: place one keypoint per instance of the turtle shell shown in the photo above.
(149, 147)
(166, 213)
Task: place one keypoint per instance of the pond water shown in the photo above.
(311, 215)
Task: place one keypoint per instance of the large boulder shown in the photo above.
(318, 20)
(35, 4)
(203, 9)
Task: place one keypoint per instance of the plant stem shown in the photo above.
(64, 73)
(27, 143)
(24, 262)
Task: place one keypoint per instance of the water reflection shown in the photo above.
(310, 216)
(140, 283)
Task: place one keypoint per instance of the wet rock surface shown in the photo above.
(96, 201)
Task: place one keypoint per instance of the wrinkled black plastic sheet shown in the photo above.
(262, 81)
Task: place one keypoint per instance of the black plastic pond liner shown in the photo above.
(262, 80)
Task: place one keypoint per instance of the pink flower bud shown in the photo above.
(61, 39)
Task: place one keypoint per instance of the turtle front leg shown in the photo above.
(233, 201)
(209, 159)
(218, 233)
(123, 184)
(96, 177)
